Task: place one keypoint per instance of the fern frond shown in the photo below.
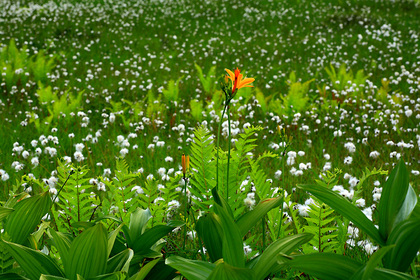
(203, 177)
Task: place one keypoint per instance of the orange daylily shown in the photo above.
(185, 162)
(237, 80)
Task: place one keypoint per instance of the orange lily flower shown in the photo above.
(185, 162)
(237, 80)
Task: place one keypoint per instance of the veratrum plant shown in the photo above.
(296, 100)
(223, 236)
(15, 64)
(399, 217)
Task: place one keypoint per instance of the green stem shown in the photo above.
(228, 159)
(218, 145)
(185, 213)
(282, 199)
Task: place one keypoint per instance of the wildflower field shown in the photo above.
(158, 139)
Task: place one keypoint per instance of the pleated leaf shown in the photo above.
(88, 253)
(249, 219)
(143, 243)
(209, 229)
(33, 262)
(120, 262)
(51, 277)
(138, 221)
(27, 215)
(406, 237)
(233, 252)
(393, 195)
(345, 208)
(62, 243)
(144, 271)
(4, 212)
(367, 270)
(191, 269)
(224, 271)
(12, 276)
(268, 258)
(326, 266)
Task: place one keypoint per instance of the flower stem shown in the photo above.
(228, 159)
(218, 145)
(282, 196)
(185, 212)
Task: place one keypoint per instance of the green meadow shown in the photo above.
(129, 150)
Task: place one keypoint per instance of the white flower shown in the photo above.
(277, 175)
(350, 147)
(169, 159)
(247, 249)
(360, 202)
(374, 154)
(79, 147)
(25, 154)
(123, 152)
(78, 156)
(348, 160)
(303, 210)
(249, 202)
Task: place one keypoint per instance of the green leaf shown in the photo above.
(191, 269)
(111, 238)
(34, 263)
(120, 262)
(27, 215)
(326, 266)
(62, 243)
(12, 276)
(112, 276)
(407, 207)
(143, 243)
(394, 193)
(268, 259)
(224, 271)
(387, 274)
(367, 270)
(51, 277)
(249, 219)
(4, 212)
(88, 253)
(407, 243)
(144, 271)
(233, 251)
(209, 229)
(345, 208)
(138, 221)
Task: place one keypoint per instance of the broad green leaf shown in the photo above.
(249, 219)
(82, 225)
(407, 243)
(62, 243)
(268, 258)
(111, 238)
(112, 276)
(393, 195)
(224, 271)
(27, 215)
(4, 212)
(39, 233)
(138, 221)
(326, 266)
(34, 263)
(120, 262)
(233, 251)
(387, 274)
(144, 271)
(51, 277)
(209, 229)
(191, 269)
(407, 207)
(12, 276)
(367, 270)
(345, 208)
(88, 253)
(143, 243)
